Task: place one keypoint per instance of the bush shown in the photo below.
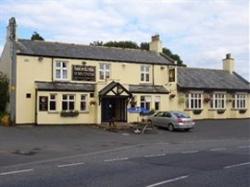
(5, 120)
(4, 96)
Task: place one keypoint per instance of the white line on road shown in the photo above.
(218, 149)
(244, 146)
(155, 155)
(189, 152)
(236, 165)
(168, 181)
(86, 154)
(115, 159)
(16, 172)
(68, 165)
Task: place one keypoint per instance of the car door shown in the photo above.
(158, 119)
(167, 119)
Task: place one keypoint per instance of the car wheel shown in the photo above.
(171, 127)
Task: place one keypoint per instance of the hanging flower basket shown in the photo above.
(197, 112)
(69, 113)
(92, 103)
(133, 103)
(221, 111)
(172, 96)
(207, 99)
(242, 111)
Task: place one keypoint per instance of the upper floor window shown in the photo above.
(52, 102)
(61, 70)
(145, 102)
(145, 73)
(104, 71)
(194, 101)
(68, 102)
(218, 101)
(239, 101)
(171, 75)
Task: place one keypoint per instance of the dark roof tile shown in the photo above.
(65, 50)
(198, 78)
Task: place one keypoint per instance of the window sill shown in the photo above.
(216, 109)
(188, 109)
(237, 109)
(84, 112)
(53, 112)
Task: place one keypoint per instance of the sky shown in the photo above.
(200, 32)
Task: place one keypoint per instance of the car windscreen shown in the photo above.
(180, 115)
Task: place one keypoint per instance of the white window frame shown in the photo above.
(84, 100)
(240, 101)
(52, 100)
(147, 99)
(61, 70)
(68, 100)
(145, 70)
(196, 97)
(106, 70)
(218, 100)
(158, 100)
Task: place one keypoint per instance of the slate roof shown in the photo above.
(205, 79)
(66, 50)
(147, 89)
(65, 86)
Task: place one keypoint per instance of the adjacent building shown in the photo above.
(61, 83)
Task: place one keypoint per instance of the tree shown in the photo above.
(36, 36)
(96, 43)
(144, 45)
(134, 45)
(4, 92)
(122, 44)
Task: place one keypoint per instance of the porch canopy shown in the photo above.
(114, 89)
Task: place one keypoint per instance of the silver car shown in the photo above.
(172, 120)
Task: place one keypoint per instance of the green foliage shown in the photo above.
(36, 36)
(96, 43)
(122, 44)
(144, 45)
(134, 45)
(4, 92)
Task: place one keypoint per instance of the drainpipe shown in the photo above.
(153, 74)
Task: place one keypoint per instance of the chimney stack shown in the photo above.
(11, 29)
(155, 44)
(228, 63)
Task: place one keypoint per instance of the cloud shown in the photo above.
(200, 32)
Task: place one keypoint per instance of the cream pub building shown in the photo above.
(60, 83)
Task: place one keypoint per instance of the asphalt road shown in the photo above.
(215, 153)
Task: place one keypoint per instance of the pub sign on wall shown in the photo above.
(83, 73)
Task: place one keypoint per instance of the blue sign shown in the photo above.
(138, 110)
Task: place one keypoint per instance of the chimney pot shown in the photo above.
(228, 55)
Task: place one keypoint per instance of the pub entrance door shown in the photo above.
(114, 108)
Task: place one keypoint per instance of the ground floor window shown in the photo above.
(239, 101)
(157, 102)
(52, 102)
(145, 102)
(68, 102)
(218, 101)
(43, 103)
(194, 100)
(83, 103)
